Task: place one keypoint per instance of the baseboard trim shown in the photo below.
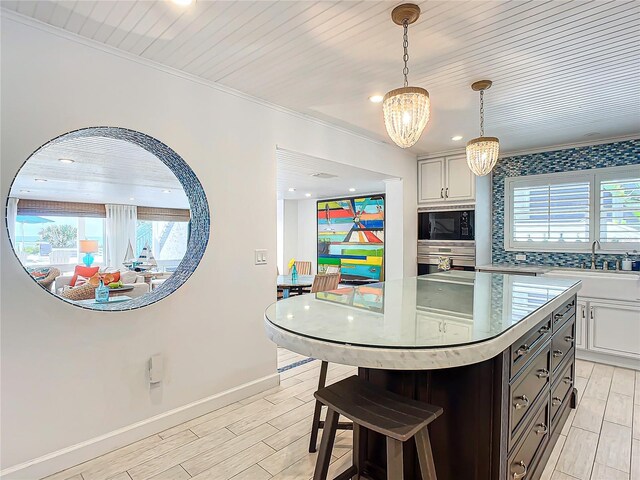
(615, 360)
(83, 451)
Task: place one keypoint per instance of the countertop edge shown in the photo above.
(411, 359)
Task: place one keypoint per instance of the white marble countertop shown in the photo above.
(435, 321)
(515, 268)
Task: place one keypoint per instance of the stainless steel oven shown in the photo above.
(462, 255)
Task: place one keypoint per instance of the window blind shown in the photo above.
(164, 214)
(48, 208)
(619, 210)
(551, 213)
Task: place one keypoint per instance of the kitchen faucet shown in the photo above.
(593, 253)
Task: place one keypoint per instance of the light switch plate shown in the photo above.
(261, 257)
(521, 256)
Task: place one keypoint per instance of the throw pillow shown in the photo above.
(128, 277)
(86, 272)
(38, 272)
(80, 280)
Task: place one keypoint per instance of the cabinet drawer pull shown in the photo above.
(567, 380)
(523, 473)
(556, 401)
(543, 373)
(558, 316)
(520, 406)
(446, 192)
(569, 339)
(442, 192)
(543, 330)
(523, 350)
(558, 353)
(542, 429)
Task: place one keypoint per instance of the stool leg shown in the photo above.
(326, 445)
(395, 461)
(316, 413)
(425, 455)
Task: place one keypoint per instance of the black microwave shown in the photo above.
(446, 225)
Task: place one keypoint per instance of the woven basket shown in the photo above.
(83, 292)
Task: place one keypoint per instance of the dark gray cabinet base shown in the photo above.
(478, 437)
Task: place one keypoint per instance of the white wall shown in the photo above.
(290, 237)
(70, 375)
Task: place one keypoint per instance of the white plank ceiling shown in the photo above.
(563, 71)
(312, 177)
(104, 170)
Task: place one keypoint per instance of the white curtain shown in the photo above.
(120, 229)
(12, 213)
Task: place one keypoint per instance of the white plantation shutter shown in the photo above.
(552, 213)
(619, 212)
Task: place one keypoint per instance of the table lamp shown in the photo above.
(88, 247)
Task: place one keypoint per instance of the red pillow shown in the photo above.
(110, 277)
(86, 272)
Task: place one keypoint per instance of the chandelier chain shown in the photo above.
(482, 113)
(405, 44)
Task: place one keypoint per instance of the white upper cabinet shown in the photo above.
(446, 180)
(431, 177)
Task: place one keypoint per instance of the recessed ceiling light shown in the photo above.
(66, 160)
(352, 189)
(376, 98)
(183, 3)
(307, 194)
(25, 191)
(292, 189)
(456, 138)
(131, 198)
(166, 191)
(40, 180)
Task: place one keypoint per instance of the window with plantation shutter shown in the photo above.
(568, 211)
(619, 219)
(551, 213)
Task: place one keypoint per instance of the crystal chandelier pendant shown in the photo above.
(482, 152)
(406, 110)
(406, 113)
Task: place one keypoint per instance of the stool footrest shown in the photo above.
(341, 425)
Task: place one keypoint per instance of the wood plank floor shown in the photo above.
(266, 436)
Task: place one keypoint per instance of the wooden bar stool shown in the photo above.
(396, 417)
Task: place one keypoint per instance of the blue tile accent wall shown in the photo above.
(572, 159)
(200, 221)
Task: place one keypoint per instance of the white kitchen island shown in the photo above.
(495, 351)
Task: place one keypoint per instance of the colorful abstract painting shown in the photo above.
(351, 237)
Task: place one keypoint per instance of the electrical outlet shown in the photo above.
(521, 256)
(260, 257)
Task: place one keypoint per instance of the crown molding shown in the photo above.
(59, 32)
(529, 151)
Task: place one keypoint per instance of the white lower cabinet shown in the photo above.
(614, 327)
(581, 324)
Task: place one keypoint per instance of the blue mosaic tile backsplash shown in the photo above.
(572, 159)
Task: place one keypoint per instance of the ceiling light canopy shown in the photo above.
(406, 109)
(183, 3)
(482, 152)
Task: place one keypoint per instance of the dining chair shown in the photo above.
(323, 283)
(303, 268)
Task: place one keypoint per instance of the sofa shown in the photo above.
(140, 287)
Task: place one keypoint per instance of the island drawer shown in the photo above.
(564, 313)
(526, 388)
(526, 454)
(562, 343)
(527, 345)
(560, 391)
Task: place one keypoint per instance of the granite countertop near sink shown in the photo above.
(515, 268)
(542, 269)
